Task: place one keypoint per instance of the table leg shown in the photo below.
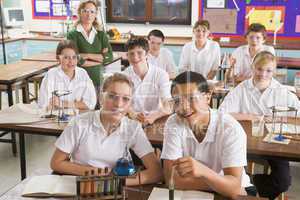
(22, 155)
(10, 103)
(25, 93)
(10, 95)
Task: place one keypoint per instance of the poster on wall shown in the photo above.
(54, 9)
(42, 6)
(280, 15)
(272, 17)
(221, 20)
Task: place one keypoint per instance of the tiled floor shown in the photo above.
(39, 151)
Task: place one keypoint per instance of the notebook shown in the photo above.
(163, 194)
(50, 186)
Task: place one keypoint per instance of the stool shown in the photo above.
(36, 80)
(15, 88)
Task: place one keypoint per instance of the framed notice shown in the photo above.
(215, 3)
(54, 9)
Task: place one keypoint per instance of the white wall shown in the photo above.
(138, 29)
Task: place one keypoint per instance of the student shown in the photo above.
(201, 55)
(91, 41)
(242, 56)
(97, 139)
(208, 150)
(159, 56)
(151, 84)
(255, 96)
(67, 76)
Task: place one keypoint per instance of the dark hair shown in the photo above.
(65, 44)
(137, 42)
(258, 28)
(204, 23)
(156, 33)
(191, 77)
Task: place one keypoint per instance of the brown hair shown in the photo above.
(204, 23)
(116, 77)
(65, 44)
(156, 33)
(81, 6)
(137, 42)
(263, 58)
(257, 28)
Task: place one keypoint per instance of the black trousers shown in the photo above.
(270, 186)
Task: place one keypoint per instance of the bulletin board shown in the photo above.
(54, 9)
(234, 18)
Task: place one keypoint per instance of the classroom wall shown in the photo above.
(11, 3)
(139, 29)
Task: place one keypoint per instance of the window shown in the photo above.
(149, 11)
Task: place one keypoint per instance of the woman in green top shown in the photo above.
(91, 41)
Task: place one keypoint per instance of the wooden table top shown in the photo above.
(21, 70)
(45, 56)
(51, 57)
(134, 193)
(255, 145)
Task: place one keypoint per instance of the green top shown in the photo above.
(100, 42)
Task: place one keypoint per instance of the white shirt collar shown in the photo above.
(62, 73)
(212, 127)
(211, 130)
(194, 48)
(250, 84)
(97, 122)
(148, 73)
(90, 39)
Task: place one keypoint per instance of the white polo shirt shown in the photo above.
(148, 92)
(88, 143)
(202, 61)
(244, 60)
(224, 145)
(81, 87)
(89, 38)
(246, 98)
(164, 60)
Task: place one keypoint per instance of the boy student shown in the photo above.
(256, 96)
(201, 55)
(98, 139)
(159, 56)
(207, 150)
(151, 84)
(67, 76)
(242, 56)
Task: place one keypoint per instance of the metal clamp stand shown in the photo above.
(275, 110)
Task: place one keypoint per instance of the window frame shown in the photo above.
(148, 18)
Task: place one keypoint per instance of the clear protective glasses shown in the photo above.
(190, 98)
(69, 57)
(88, 11)
(115, 97)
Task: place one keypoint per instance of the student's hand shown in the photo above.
(189, 167)
(149, 119)
(141, 117)
(232, 61)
